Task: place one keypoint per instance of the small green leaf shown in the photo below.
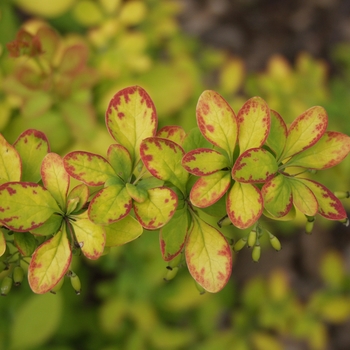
(92, 169)
(82, 192)
(305, 131)
(244, 204)
(254, 165)
(119, 158)
(10, 162)
(55, 178)
(163, 158)
(149, 182)
(172, 235)
(278, 133)
(72, 205)
(49, 263)
(123, 231)
(32, 146)
(158, 209)
(25, 205)
(130, 118)
(2, 243)
(25, 243)
(137, 194)
(109, 205)
(173, 133)
(194, 139)
(209, 189)
(217, 121)
(208, 256)
(254, 123)
(204, 161)
(50, 226)
(329, 151)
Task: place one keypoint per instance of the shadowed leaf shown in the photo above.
(119, 158)
(50, 226)
(278, 134)
(25, 243)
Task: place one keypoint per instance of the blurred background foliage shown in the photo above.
(296, 299)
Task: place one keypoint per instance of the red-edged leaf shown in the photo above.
(254, 123)
(209, 189)
(10, 162)
(2, 243)
(74, 59)
(119, 158)
(32, 146)
(92, 169)
(50, 42)
(204, 161)
(109, 205)
(277, 195)
(50, 226)
(305, 131)
(173, 133)
(329, 151)
(254, 165)
(137, 193)
(49, 263)
(208, 256)
(278, 133)
(244, 204)
(329, 205)
(157, 209)
(131, 117)
(217, 121)
(82, 193)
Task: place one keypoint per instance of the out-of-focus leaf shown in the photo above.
(10, 162)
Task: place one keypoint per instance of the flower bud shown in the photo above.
(252, 236)
(225, 221)
(309, 224)
(240, 244)
(342, 194)
(170, 274)
(18, 275)
(75, 282)
(256, 252)
(6, 285)
(275, 242)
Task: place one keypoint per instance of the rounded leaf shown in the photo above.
(173, 133)
(278, 133)
(10, 162)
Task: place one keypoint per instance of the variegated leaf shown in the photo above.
(82, 193)
(10, 162)
(119, 158)
(50, 226)
(278, 134)
(2, 243)
(173, 133)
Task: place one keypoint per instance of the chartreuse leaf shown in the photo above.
(278, 133)
(2, 243)
(10, 162)
(194, 139)
(122, 231)
(244, 204)
(55, 178)
(305, 131)
(137, 193)
(90, 237)
(32, 146)
(208, 256)
(254, 123)
(82, 193)
(109, 205)
(209, 189)
(204, 161)
(25, 243)
(157, 209)
(25, 205)
(120, 160)
(130, 118)
(329, 205)
(217, 121)
(254, 165)
(50, 226)
(277, 194)
(49, 263)
(303, 197)
(92, 169)
(288, 217)
(172, 235)
(173, 133)
(329, 151)
(163, 158)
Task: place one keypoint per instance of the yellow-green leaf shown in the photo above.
(130, 118)
(10, 162)
(119, 158)
(2, 243)
(244, 204)
(208, 256)
(278, 133)
(49, 263)
(82, 193)
(173, 133)
(50, 226)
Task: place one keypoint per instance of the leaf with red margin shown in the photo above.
(49, 227)
(209, 189)
(254, 165)
(55, 178)
(244, 204)
(120, 160)
(204, 161)
(172, 235)
(90, 237)
(90, 168)
(82, 193)
(278, 134)
(2, 243)
(157, 209)
(25, 205)
(163, 159)
(123, 231)
(303, 198)
(49, 263)
(217, 121)
(208, 256)
(32, 146)
(10, 162)
(329, 151)
(305, 131)
(25, 243)
(73, 59)
(254, 123)
(329, 206)
(277, 195)
(110, 205)
(288, 217)
(131, 117)
(173, 133)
